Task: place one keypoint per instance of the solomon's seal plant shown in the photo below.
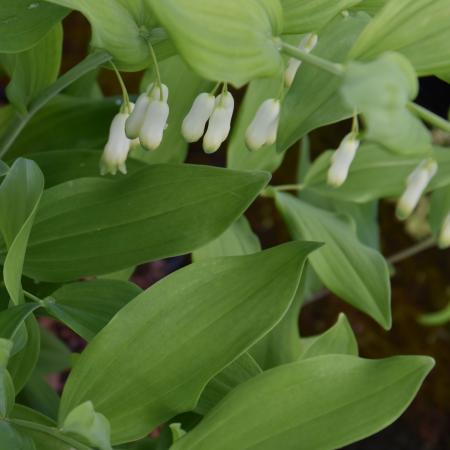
(210, 355)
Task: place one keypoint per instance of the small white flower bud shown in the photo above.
(134, 122)
(416, 184)
(263, 129)
(444, 235)
(342, 159)
(307, 44)
(194, 124)
(155, 121)
(116, 149)
(219, 124)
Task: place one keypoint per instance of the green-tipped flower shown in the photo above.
(342, 159)
(194, 124)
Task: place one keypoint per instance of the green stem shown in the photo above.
(412, 251)
(32, 297)
(90, 63)
(429, 117)
(53, 432)
(158, 73)
(324, 64)
(126, 98)
(289, 187)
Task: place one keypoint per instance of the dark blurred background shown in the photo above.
(420, 285)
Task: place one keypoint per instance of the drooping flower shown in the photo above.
(342, 159)
(116, 149)
(307, 44)
(264, 127)
(219, 123)
(416, 184)
(444, 235)
(194, 124)
(154, 124)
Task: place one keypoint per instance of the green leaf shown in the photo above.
(354, 272)
(338, 340)
(20, 194)
(304, 16)
(183, 322)
(291, 406)
(7, 394)
(400, 27)
(439, 210)
(33, 70)
(239, 371)
(380, 91)
(86, 307)
(12, 439)
(373, 162)
(238, 239)
(222, 41)
(314, 99)
(184, 85)
(106, 223)
(238, 155)
(370, 6)
(23, 23)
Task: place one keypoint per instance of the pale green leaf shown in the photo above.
(370, 6)
(13, 439)
(178, 333)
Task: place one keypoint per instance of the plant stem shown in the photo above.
(19, 121)
(126, 98)
(157, 72)
(411, 251)
(53, 432)
(429, 117)
(32, 297)
(324, 64)
(289, 187)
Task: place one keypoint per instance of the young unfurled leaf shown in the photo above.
(321, 403)
(356, 273)
(224, 41)
(97, 226)
(304, 16)
(155, 357)
(380, 90)
(416, 28)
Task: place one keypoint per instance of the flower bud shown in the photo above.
(194, 124)
(342, 159)
(307, 44)
(155, 122)
(134, 123)
(116, 149)
(263, 129)
(444, 235)
(416, 184)
(154, 92)
(219, 124)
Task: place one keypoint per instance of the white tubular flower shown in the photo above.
(219, 123)
(135, 121)
(116, 149)
(264, 127)
(155, 122)
(307, 44)
(444, 235)
(416, 184)
(194, 124)
(154, 92)
(342, 160)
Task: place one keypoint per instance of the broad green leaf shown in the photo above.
(353, 271)
(20, 194)
(439, 209)
(370, 6)
(416, 28)
(13, 439)
(238, 155)
(54, 356)
(22, 364)
(184, 85)
(86, 307)
(183, 323)
(96, 226)
(338, 340)
(304, 16)
(380, 90)
(239, 371)
(59, 166)
(314, 99)
(33, 70)
(371, 164)
(7, 395)
(67, 123)
(222, 41)
(23, 23)
(321, 403)
(86, 87)
(238, 239)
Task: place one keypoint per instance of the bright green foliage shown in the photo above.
(191, 309)
(348, 397)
